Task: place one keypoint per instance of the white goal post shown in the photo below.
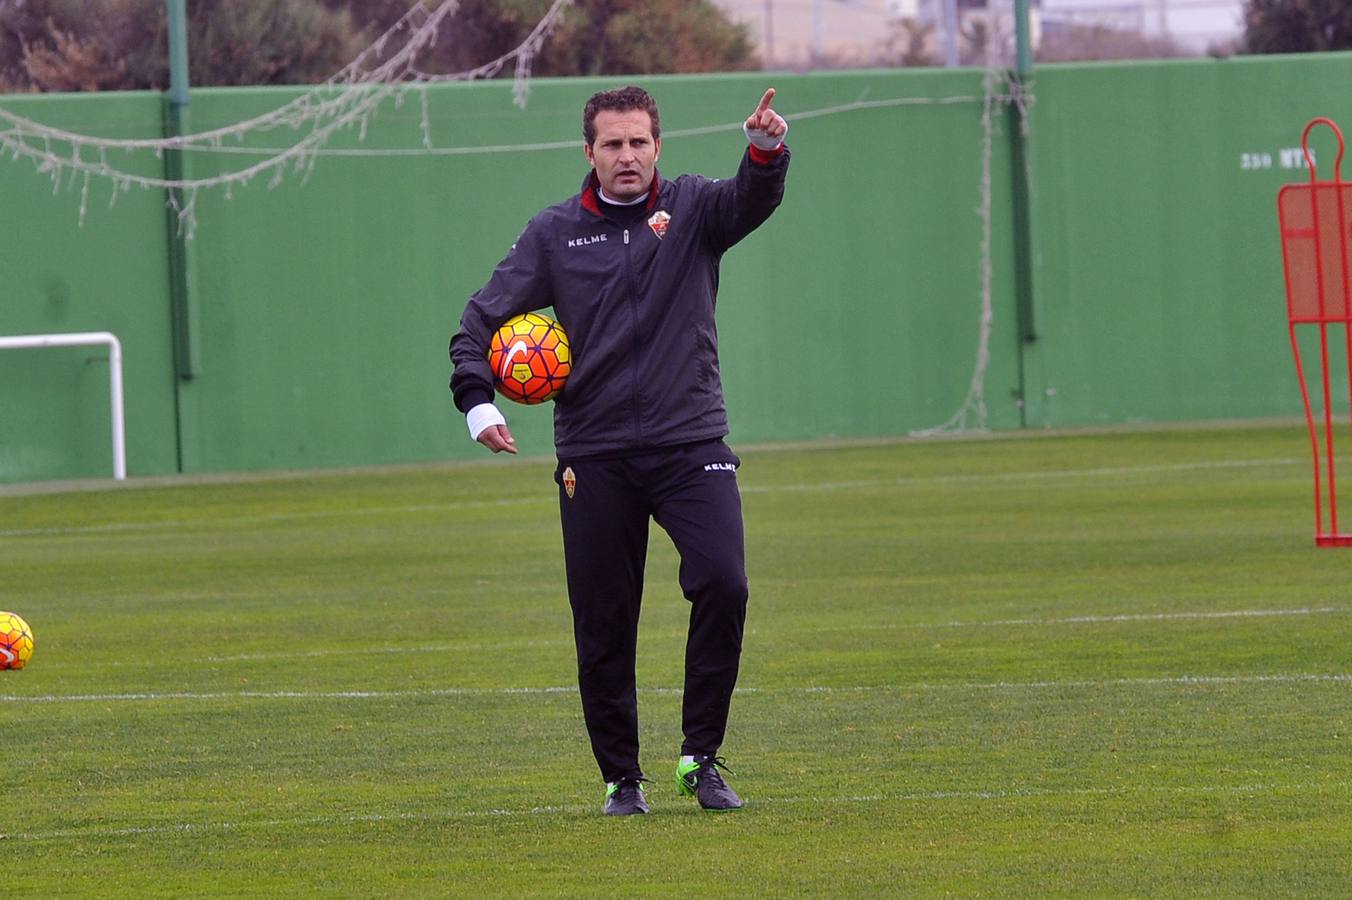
(81, 339)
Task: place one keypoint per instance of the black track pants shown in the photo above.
(691, 492)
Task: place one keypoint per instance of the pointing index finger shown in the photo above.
(765, 101)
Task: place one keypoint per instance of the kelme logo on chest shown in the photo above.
(584, 241)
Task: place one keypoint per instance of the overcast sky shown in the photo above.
(1188, 21)
(1193, 23)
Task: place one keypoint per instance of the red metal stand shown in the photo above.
(1315, 220)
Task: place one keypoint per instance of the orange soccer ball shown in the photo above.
(16, 641)
(530, 358)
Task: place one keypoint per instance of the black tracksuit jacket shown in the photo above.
(637, 304)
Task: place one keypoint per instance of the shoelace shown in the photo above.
(629, 785)
(709, 769)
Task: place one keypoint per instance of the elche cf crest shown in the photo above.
(569, 482)
(658, 223)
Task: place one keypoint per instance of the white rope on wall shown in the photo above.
(347, 100)
(387, 70)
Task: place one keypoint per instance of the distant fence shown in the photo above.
(323, 308)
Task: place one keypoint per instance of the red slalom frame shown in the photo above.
(1314, 220)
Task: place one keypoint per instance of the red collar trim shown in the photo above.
(591, 203)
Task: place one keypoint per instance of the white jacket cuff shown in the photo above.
(483, 416)
(762, 141)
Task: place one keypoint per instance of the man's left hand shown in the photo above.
(766, 121)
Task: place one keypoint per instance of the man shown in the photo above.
(630, 266)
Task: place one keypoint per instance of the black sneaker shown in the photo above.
(699, 778)
(625, 797)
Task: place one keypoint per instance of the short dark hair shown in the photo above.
(619, 100)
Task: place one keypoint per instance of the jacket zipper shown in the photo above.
(638, 344)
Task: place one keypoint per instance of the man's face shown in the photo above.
(624, 153)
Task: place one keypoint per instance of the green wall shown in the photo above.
(325, 305)
(59, 276)
(1158, 271)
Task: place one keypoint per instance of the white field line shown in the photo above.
(1129, 617)
(449, 647)
(477, 646)
(1171, 681)
(548, 497)
(577, 809)
(1053, 474)
(116, 527)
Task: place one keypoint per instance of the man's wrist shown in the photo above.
(469, 393)
(757, 138)
(482, 417)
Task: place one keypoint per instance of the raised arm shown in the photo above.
(740, 204)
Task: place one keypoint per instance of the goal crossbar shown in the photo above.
(83, 339)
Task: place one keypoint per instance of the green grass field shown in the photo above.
(1077, 664)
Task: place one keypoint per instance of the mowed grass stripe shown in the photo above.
(787, 654)
(992, 794)
(228, 522)
(1162, 618)
(1071, 665)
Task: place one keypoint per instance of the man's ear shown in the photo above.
(587, 152)
(657, 149)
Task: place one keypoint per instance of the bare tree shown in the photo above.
(1082, 42)
(908, 41)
